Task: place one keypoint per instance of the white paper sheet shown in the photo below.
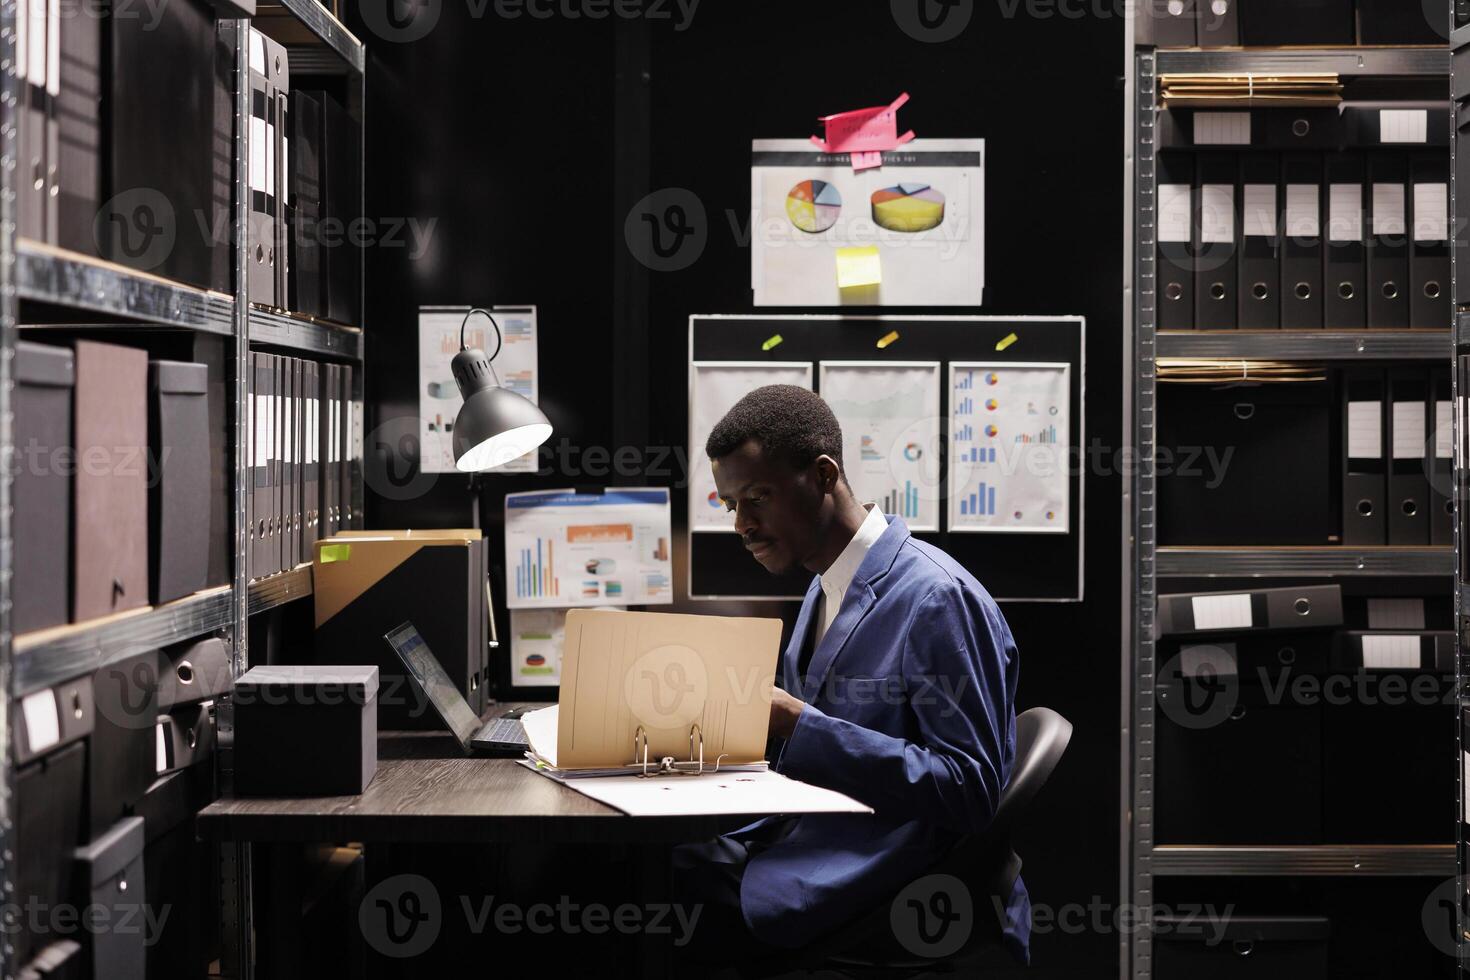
(593, 549)
(889, 413)
(1011, 430)
(713, 794)
(439, 400)
(715, 388)
(942, 264)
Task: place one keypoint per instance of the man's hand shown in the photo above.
(784, 711)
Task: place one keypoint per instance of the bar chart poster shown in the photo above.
(588, 549)
(889, 413)
(714, 388)
(1010, 435)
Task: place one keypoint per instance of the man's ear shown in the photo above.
(829, 474)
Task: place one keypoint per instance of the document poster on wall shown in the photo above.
(908, 233)
(537, 637)
(889, 413)
(1010, 426)
(588, 549)
(714, 390)
(439, 401)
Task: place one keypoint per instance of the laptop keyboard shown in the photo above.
(504, 730)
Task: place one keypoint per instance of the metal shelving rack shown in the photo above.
(1148, 561)
(99, 295)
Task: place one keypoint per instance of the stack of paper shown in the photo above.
(1216, 91)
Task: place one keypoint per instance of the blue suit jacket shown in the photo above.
(910, 709)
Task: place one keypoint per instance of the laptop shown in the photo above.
(503, 736)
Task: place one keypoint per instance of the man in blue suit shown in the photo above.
(897, 688)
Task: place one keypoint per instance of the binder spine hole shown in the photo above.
(1390, 290)
(1345, 290)
(1303, 290)
(1173, 291)
(1259, 291)
(1431, 289)
(1237, 713)
(1302, 606)
(1365, 508)
(76, 705)
(1243, 947)
(260, 253)
(1449, 507)
(1245, 411)
(1300, 127)
(1286, 656)
(185, 672)
(1217, 290)
(1409, 507)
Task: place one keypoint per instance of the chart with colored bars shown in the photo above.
(889, 414)
(588, 549)
(1010, 433)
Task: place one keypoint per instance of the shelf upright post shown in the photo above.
(1142, 429)
(9, 100)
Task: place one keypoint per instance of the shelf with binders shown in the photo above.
(56, 283)
(1309, 345)
(1294, 561)
(50, 656)
(307, 25)
(1384, 61)
(304, 334)
(1322, 860)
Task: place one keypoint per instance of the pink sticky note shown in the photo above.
(864, 133)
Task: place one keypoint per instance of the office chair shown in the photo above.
(985, 864)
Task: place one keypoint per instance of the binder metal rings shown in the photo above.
(668, 765)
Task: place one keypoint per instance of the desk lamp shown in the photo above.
(495, 425)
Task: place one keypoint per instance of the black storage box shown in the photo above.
(367, 583)
(1278, 486)
(44, 378)
(185, 737)
(1403, 22)
(48, 826)
(1273, 22)
(123, 751)
(179, 499)
(194, 672)
(306, 731)
(110, 874)
(1234, 768)
(180, 875)
(1241, 947)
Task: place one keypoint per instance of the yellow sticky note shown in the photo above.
(1006, 342)
(859, 266)
(335, 552)
(887, 339)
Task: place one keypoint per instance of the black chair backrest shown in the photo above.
(1041, 738)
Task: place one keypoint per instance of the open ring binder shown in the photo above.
(668, 765)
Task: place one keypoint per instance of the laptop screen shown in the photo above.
(431, 679)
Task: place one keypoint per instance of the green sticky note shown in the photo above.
(335, 552)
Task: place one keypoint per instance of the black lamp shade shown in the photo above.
(494, 425)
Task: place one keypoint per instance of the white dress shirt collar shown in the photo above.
(839, 575)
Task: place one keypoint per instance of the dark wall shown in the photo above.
(531, 141)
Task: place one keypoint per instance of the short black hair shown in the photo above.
(790, 423)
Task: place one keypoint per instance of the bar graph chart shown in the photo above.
(534, 578)
(1010, 424)
(979, 503)
(903, 502)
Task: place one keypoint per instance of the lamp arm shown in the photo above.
(465, 322)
